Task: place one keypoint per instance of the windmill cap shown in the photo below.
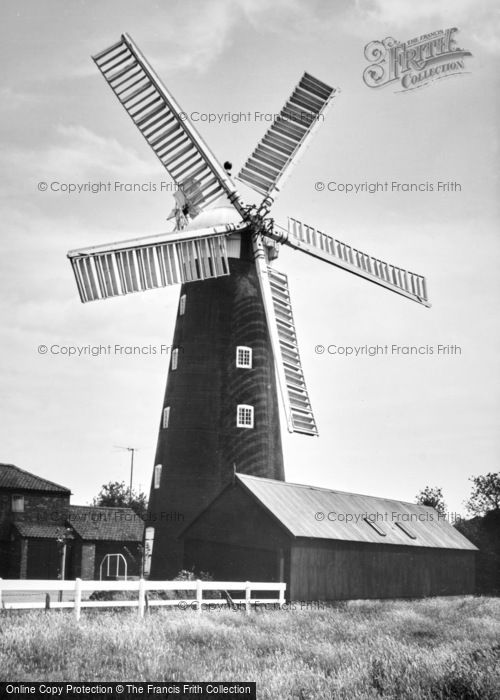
(221, 213)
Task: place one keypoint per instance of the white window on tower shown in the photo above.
(244, 416)
(149, 537)
(157, 476)
(243, 356)
(166, 416)
(17, 504)
(182, 305)
(175, 358)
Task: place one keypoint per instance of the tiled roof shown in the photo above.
(11, 477)
(98, 523)
(309, 511)
(42, 530)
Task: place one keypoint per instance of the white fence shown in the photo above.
(142, 587)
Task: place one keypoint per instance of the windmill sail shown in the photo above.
(266, 168)
(320, 245)
(276, 298)
(150, 263)
(302, 415)
(180, 149)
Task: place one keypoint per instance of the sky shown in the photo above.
(389, 424)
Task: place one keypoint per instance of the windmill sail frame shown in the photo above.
(320, 245)
(278, 150)
(153, 262)
(163, 124)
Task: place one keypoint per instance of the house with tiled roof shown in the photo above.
(32, 518)
(43, 536)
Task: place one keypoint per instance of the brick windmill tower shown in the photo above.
(235, 347)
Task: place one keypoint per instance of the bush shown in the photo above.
(186, 575)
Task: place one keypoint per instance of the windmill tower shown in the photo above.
(235, 347)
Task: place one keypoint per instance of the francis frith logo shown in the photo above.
(414, 63)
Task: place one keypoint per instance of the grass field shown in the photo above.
(433, 648)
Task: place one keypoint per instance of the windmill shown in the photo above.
(235, 346)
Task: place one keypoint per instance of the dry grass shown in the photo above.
(434, 648)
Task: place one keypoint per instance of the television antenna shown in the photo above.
(132, 451)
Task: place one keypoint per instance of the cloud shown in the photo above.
(280, 15)
(76, 153)
(11, 99)
(192, 36)
(400, 13)
(197, 34)
(78, 150)
(480, 20)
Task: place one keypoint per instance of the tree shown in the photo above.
(485, 495)
(432, 496)
(484, 532)
(116, 494)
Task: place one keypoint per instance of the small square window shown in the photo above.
(243, 356)
(17, 504)
(175, 358)
(166, 416)
(182, 305)
(157, 476)
(244, 416)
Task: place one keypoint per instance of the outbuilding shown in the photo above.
(107, 542)
(328, 545)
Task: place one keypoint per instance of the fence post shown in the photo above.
(248, 595)
(1, 601)
(282, 595)
(142, 597)
(47, 601)
(199, 595)
(78, 598)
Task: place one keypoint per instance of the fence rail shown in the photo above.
(142, 587)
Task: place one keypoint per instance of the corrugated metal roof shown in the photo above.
(11, 477)
(344, 516)
(42, 530)
(99, 523)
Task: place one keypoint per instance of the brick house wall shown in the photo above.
(39, 508)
